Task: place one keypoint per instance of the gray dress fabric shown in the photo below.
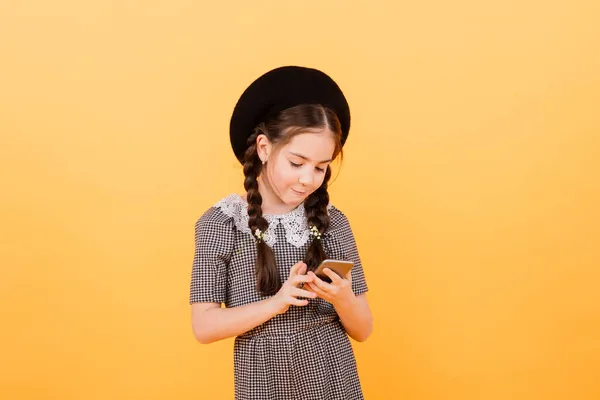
(303, 354)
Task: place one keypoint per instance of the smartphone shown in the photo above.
(339, 267)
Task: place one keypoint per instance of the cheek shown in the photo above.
(284, 176)
(319, 180)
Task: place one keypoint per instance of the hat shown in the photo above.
(279, 89)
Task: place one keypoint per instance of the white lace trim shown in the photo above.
(294, 222)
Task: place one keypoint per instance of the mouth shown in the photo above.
(298, 192)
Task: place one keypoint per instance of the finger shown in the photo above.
(335, 278)
(321, 284)
(301, 278)
(316, 289)
(294, 270)
(303, 293)
(298, 266)
(302, 269)
(298, 302)
(349, 276)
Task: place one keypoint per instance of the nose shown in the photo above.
(306, 177)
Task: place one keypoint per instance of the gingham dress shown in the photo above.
(303, 354)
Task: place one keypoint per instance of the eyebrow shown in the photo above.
(306, 158)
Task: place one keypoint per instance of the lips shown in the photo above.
(298, 192)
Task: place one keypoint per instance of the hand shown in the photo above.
(289, 291)
(337, 292)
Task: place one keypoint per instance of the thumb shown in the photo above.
(297, 268)
(302, 269)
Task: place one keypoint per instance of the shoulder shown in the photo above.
(338, 220)
(222, 214)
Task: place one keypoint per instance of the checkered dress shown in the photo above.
(303, 354)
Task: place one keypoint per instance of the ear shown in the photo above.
(263, 147)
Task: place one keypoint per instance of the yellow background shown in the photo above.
(471, 179)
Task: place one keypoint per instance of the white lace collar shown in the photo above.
(294, 222)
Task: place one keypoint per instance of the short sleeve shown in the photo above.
(214, 243)
(342, 233)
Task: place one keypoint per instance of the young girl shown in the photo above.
(256, 253)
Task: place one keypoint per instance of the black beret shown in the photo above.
(279, 89)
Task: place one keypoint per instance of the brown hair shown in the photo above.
(279, 131)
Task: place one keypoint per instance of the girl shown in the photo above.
(257, 253)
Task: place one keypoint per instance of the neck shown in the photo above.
(272, 203)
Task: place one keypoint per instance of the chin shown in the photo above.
(294, 202)
(294, 199)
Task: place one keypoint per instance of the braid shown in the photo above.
(317, 216)
(267, 275)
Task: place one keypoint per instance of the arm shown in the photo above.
(211, 323)
(354, 311)
(349, 296)
(356, 317)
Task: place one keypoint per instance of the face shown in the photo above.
(297, 169)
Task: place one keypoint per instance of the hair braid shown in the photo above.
(267, 275)
(317, 216)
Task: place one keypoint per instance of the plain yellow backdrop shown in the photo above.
(471, 179)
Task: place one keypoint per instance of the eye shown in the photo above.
(293, 164)
(321, 170)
